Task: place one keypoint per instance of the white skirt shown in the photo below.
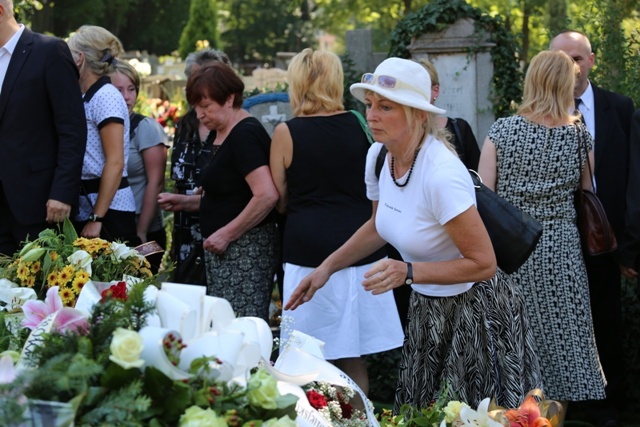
(351, 321)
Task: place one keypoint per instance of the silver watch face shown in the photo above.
(408, 281)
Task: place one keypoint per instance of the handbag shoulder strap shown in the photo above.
(364, 126)
(582, 148)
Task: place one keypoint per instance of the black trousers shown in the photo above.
(12, 232)
(606, 308)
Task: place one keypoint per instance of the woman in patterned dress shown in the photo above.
(107, 207)
(533, 160)
(236, 205)
(467, 332)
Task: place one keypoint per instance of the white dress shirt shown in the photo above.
(5, 54)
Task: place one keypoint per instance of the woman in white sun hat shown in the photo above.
(467, 331)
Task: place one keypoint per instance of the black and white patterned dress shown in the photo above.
(538, 171)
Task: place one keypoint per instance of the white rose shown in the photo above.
(126, 347)
(81, 259)
(198, 417)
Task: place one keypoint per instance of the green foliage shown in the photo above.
(152, 25)
(255, 32)
(436, 16)
(122, 408)
(351, 75)
(203, 20)
(383, 374)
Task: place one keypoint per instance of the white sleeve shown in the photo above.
(370, 178)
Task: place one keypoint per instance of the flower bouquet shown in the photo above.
(68, 262)
(95, 368)
(535, 411)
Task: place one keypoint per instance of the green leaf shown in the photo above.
(69, 231)
(116, 376)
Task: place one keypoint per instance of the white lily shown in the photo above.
(479, 418)
(81, 259)
(122, 251)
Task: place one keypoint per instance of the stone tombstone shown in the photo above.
(269, 108)
(465, 70)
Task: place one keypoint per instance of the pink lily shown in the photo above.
(70, 319)
(35, 310)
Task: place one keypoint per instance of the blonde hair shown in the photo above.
(431, 69)
(548, 87)
(127, 70)
(316, 82)
(99, 46)
(421, 123)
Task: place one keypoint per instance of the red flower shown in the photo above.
(345, 408)
(117, 291)
(316, 400)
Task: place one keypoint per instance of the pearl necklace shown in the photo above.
(393, 169)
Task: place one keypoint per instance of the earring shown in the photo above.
(435, 98)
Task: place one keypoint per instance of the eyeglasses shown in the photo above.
(386, 82)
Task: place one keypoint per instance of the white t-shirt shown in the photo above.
(411, 218)
(104, 104)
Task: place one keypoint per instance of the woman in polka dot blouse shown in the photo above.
(107, 206)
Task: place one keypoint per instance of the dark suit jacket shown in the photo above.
(613, 160)
(43, 130)
(630, 249)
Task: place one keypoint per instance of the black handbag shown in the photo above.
(514, 234)
(192, 270)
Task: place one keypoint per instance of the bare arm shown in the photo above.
(488, 167)
(112, 139)
(263, 201)
(478, 260)
(173, 202)
(155, 160)
(280, 160)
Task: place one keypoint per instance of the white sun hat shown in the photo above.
(399, 80)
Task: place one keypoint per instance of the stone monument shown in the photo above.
(269, 108)
(463, 60)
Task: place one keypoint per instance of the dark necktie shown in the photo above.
(576, 104)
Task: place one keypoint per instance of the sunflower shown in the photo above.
(29, 281)
(23, 272)
(78, 283)
(53, 255)
(67, 295)
(82, 275)
(52, 279)
(35, 267)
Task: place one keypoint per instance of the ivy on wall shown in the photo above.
(437, 15)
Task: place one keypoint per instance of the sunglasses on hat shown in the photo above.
(386, 82)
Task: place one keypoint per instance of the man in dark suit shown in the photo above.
(607, 115)
(43, 131)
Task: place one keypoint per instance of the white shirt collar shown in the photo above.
(587, 98)
(10, 46)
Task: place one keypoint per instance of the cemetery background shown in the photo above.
(259, 49)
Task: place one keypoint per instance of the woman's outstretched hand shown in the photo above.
(307, 288)
(385, 275)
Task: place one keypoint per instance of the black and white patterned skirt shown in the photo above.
(244, 273)
(475, 345)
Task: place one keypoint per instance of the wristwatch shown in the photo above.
(409, 279)
(95, 218)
